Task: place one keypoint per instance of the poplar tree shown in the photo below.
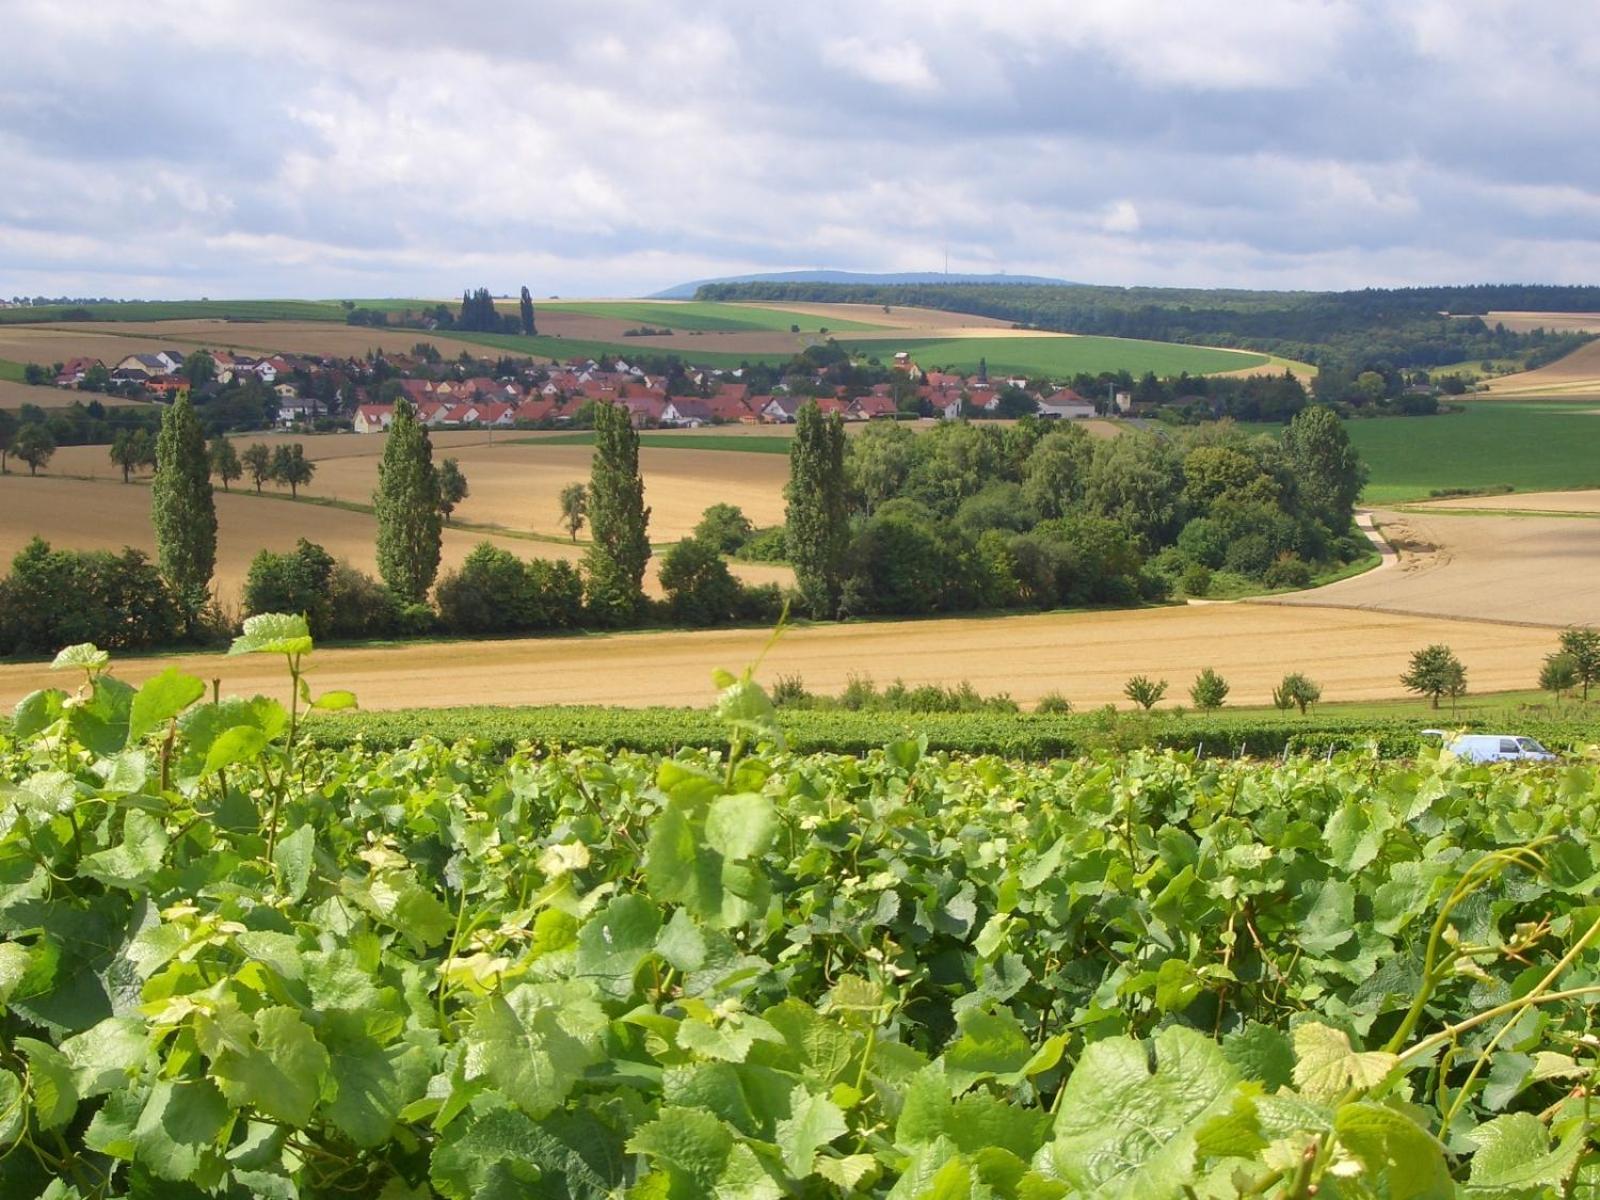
(407, 507)
(817, 534)
(619, 547)
(182, 507)
(528, 327)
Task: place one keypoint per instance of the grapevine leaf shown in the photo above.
(503, 1153)
(988, 1044)
(741, 826)
(133, 862)
(535, 1041)
(11, 1107)
(273, 633)
(1514, 1156)
(14, 960)
(105, 1055)
(280, 1070)
(37, 711)
(85, 656)
(335, 701)
(1326, 1066)
(178, 1129)
(372, 1083)
(615, 941)
(50, 1077)
(1329, 917)
(814, 1121)
(1262, 1053)
(160, 699)
(292, 856)
(100, 723)
(1396, 1150)
(1124, 1130)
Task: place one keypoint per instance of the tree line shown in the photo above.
(1406, 327)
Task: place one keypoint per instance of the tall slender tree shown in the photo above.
(183, 508)
(528, 327)
(407, 507)
(619, 548)
(817, 533)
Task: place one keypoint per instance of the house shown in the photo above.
(688, 412)
(872, 408)
(148, 366)
(1065, 405)
(294, 410)
(373, 418)
(730, 409)
(166, 387)
(542, 409)
(781, 410)
(74, 369)
(833, 406)
(643, 410)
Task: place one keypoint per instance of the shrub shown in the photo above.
(700, 588)
(359, 606)
(1204, 541)
(417, 620)
(54, 598)
(486, 594)
(293, 582)
(765, 545)
(1287, 571)
(1196, 580)
(1250, 555)
(789, 691)
(760, 603)
(1053, 702)
(724, 526)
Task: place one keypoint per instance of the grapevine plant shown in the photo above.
(238, 964)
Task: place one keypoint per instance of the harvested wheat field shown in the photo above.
(1086, 656)
(924, 320)
(102, 514)
(1535, 570)
(1577, 376)
(1585, 501)
(1526, 322)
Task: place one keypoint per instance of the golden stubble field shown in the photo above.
(1515, 566)
(1576, 377)
(1086, 656)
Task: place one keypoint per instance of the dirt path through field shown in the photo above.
(1086, 656)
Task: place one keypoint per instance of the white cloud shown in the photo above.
(892, 63)
(1121, 217)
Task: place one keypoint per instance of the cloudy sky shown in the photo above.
(607, 147)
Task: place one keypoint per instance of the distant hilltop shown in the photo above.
(686, 291)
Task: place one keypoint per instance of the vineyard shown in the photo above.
(240, 961)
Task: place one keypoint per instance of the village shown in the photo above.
(360, 393)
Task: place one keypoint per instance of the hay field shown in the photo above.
(1536, 570)
(1577, 376)
(922, 319)
(1087, 656)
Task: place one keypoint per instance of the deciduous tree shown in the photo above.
(452, 487)
(1582, 644)
(257, 460)
(1435, 671)
(1559, 674)
(224, 459)
(1328, 472)
(1209, 690)
(291, 466)
(574, 507)
(34, 445)
(1144, 691)
(406, 503)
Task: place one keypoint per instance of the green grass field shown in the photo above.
(561, 349)
(11, 371)
(1527, 447)
(186, 310)
(703, 315)
(753, 444)
(1058, 357)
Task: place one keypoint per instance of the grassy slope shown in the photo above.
(188, 310)
(703, 315)
(1060, 356)
(11, 371)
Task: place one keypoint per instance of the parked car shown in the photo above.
(1492, 747)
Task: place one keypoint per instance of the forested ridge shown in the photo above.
(1407, 327)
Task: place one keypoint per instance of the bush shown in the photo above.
(724, 526)
(760, 603)
(55, 598)
(1196, 580)
(765, 545)
(496, 592)
(1053, 702)
(293, 582)
(1250, 555)
(1287, 571)
(360, 606)
(1204, 541)
(417, 620)
(789, 691)
(700, 588)
(1144, 691)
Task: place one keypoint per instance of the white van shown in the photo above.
(1492, 747)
